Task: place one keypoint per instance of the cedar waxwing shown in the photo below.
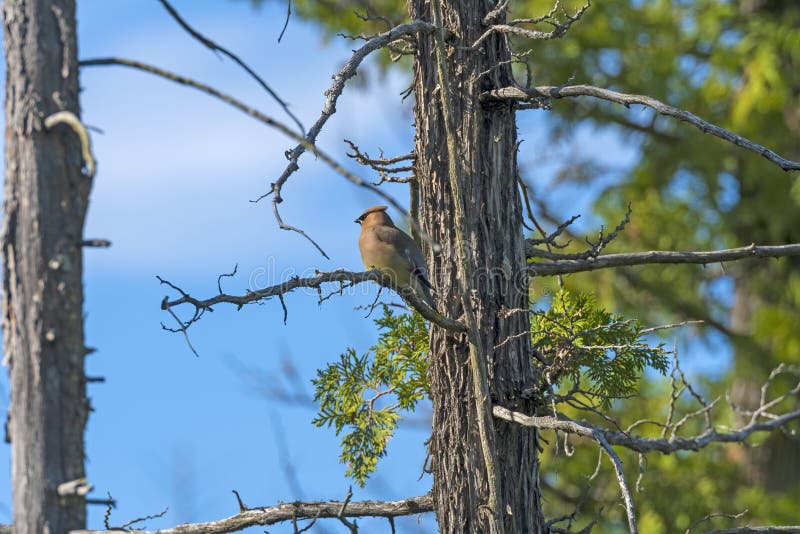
(387, 248)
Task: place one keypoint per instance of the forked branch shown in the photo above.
(560, 28)
(262, 117)
(332, 95)
(568, 265)
(211, 45)
(271, 515)
(763, 419)
(345, 279)
(535, 94)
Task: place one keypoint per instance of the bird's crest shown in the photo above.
(373, 209)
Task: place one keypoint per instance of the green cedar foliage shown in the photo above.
(581, 340)
(362, 397)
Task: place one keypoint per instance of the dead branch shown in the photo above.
(761, 420)
(383, 166)
(214, 47)
(559, 28)
(313, 282)
(556, 92)
(269, 121)
(294, 511)
(566, 266)
(627, 498)
(645, 445)
(593, 250)
(380, 163)
(598, 435)
(332, 95)
(712, 516)
(286, 21)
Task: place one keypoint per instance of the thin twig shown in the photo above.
(208, 43)
(645, 445)
(713, 515)
(286, 25)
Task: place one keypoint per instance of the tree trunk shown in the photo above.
(487, 139)
(45, 203)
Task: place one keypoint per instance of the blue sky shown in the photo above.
(176, 172)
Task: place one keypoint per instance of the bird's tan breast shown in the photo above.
(383, 254)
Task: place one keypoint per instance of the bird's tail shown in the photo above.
(425, 293)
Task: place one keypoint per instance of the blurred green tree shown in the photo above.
(737, 64)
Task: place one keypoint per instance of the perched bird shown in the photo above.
(387, 248)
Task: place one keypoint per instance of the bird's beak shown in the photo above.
(357, 221)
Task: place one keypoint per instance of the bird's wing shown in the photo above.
(409, 249)
(416, 257)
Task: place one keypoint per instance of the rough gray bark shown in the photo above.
(487, 137)
(45, 203)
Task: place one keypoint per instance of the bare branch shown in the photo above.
(297, 510)
(183, 327)
(208, 43)
(627, 498)
(670, 326)
(555, 92)
(286, 25)
(333, 93)
(712, 516)
(226, 275)
(559, 28)
(98, 243)
(242, 506)
(592, 252)
(547, 239)
(128, 524)
(606, 438)
(380, 163)
(383, 166)
(269, 121)
(645, 445)
(314, 282)
(496, 13)
(567, 266)
(342, 513)
(582, 429)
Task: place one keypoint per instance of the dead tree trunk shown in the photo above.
(488, 145)
(45, 202)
